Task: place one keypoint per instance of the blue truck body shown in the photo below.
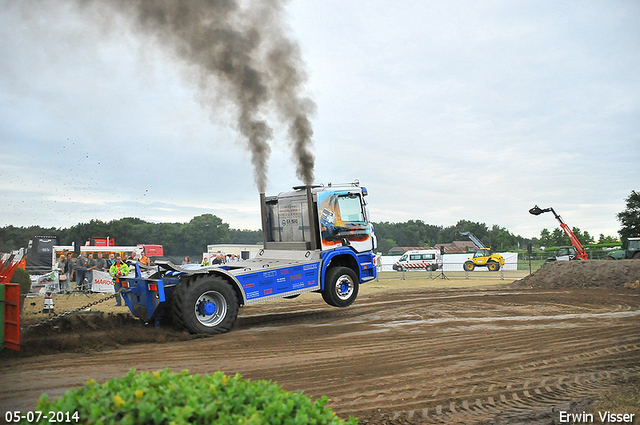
(316, 239)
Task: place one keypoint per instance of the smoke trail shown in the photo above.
(285, 65)
(248, 52)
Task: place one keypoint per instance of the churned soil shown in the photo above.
(406, 352)
(584, 274)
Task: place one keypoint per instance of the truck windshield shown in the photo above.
(350, 208)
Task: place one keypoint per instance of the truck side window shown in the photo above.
(350, 208)
(403, 258)
(415, 257)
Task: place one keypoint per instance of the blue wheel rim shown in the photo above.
(344, 287)
(211, 308)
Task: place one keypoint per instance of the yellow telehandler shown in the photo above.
(483, 257)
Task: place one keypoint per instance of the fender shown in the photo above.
(361, 263)
(233, 281)
(197, 269)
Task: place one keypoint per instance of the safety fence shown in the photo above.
(452, 266)
(408, 274)
(448, 262)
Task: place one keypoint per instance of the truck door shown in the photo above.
(343, 221)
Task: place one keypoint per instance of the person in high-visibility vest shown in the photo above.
(117, 270)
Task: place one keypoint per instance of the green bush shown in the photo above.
(21, 277)
(179, 398)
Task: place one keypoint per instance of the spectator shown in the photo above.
(117, 270)
(69, 269)
(101, 263)
(62, 276)
(205, 261)
(81, 271)
(111, 261)
(186, 260)
(218, 260)
(133, 259)
(91, 265)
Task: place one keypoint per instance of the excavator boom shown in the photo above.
(580, 252)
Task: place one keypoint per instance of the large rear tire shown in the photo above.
(205, 305)
(469, 266)
(340, 287)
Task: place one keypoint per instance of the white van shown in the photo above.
(423, 259)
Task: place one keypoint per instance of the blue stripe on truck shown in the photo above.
(279, 281)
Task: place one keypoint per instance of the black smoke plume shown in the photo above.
(247, 52)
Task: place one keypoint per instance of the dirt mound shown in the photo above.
(94, 331)
(584, 274)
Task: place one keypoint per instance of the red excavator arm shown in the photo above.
(580, 252)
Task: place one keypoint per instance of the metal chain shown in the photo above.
(66, 313)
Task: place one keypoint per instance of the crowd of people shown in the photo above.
(81, 269)
(215, 259)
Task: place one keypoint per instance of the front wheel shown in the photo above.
(493, 266)
(205, 305)
(469, 266)
(340, 287)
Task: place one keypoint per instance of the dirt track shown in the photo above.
(410, 355)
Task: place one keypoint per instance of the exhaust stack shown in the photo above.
(313, 222)
(265, 221)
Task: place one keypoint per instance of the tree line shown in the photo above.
(177, 239)
(417, 233)
(192, 238)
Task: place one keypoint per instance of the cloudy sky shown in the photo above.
(473, 110)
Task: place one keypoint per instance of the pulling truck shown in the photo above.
(315, 239)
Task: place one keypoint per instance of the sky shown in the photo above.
(474, 110)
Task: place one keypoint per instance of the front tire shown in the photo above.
(469, 266)
(205, 305)
(493, 266)
(340, 287)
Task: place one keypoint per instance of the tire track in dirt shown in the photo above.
(416, 356)
(574, 347)
(453, 342)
